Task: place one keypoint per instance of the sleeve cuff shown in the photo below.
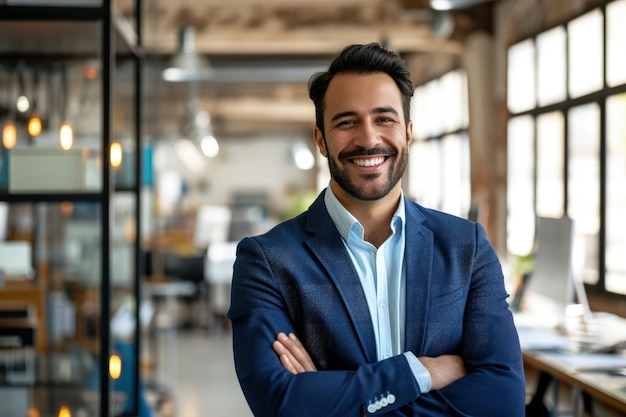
(421, 374)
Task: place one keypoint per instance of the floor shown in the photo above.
(202, 377)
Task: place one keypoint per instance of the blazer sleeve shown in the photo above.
(258, 313)
(495, 383)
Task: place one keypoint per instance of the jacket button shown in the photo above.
(391, 398)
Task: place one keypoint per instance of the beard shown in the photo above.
(372, 189)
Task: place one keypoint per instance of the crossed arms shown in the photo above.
(469, 345)
(443, 369)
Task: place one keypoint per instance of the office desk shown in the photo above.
(587, 373)
(596, 385)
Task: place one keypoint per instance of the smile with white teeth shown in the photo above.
(369, 162)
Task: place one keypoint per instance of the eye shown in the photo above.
(347, 122)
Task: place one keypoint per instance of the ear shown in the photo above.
(409, 133)
(321, 143)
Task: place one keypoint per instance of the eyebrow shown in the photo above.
(376, 110)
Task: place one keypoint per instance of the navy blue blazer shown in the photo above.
(299, 278)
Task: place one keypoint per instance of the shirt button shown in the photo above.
(382, 304)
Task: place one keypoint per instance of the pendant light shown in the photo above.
(64, 411)
(116, 154)
(66, 133)
(22, 103)
(115, 366)
(9, 134)
(34, 123)
(9, 131)
(188, 65)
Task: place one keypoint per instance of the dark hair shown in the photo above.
(362, 59)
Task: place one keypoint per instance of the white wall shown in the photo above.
(244, 164)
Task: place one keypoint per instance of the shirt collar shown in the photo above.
(344, 220)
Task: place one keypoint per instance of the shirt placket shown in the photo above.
(382, 302)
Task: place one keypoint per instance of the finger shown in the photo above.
(297, 353)
(284, 360)
(289, 362)
(301, 354)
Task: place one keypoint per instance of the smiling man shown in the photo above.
(368, 303)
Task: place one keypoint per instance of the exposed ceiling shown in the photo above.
(263, 52)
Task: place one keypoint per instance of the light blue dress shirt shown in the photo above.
(382, 273)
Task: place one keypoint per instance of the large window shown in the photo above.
(567, 140)
(615, 279)
(439, 167)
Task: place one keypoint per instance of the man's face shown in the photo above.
(366, 138)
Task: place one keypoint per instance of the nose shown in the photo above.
(367, 135)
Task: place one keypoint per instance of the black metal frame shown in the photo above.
(104, 15)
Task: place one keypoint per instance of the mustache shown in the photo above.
(378, 150)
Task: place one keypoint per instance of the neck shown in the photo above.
(375, 215)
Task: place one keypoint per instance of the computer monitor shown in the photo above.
(552, 273)
(551, 287)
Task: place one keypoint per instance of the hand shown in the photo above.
(443, 370)
(292, 354)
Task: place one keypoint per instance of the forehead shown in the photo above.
(353, 92)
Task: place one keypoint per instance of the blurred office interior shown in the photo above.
(142, 139)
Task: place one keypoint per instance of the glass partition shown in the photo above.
(52, 118)
(68, 241)
(52, 284)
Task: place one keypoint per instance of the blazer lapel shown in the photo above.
(327, 246)
(418, 257)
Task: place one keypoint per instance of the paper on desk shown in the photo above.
(543, 339)
(587, 362)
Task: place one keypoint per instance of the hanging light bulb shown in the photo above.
(66, 133)
(66, 136)
(209, 146)
(9, 134)
(302, 156)
(188, 65)
(64, 411)
(34, 125)
(22, 104)
(116, 154)
(115, 366)
(9, 131)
